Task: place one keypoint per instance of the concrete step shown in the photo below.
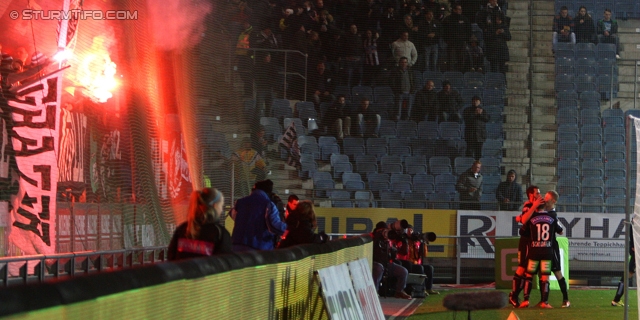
(516, 76)
(543, 85)
(547, 6)
(521, 90)
(544, 101)
(544, 92)
(515, 6)
(517, 45)
(630, 54)
(520, 36)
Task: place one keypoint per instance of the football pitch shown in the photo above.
(586, 304)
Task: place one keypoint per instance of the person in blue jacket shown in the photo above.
(257, 220)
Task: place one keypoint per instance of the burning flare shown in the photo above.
(96, 72)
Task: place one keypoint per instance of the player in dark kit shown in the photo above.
(542, 226)
(520, 279)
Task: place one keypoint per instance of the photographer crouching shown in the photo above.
(383, 255)
(412, 247)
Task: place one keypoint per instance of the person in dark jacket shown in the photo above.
(608, 31)
(497, 49)
(301, 226)
(425, 106)
(403, 85)
(201, 235)
(257, 220)
(431, 33)
(509, 193)
(449, 103)
(475, 131)
(457, 31)
(335, 119)
(563, 28)
(469, 185)
(585, 27)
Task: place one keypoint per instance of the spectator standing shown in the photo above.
(430, 32)
(608, 31)
(469, 186)
(449, 103)
(402, 84)
(335, 119)
(389, 29)
(457, 31)
(497, 48)
(475, 132)
(352, 52)
(257, 220)
(563, 28)
(404, 48)
(371, 60)
(585, 27)
(474, 56)
(301, 226)
(509, 193)
(201, 235)
(368, 120)
(425, 105)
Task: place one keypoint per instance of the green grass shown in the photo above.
(586, 304)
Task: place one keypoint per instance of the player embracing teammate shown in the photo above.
(538, 250)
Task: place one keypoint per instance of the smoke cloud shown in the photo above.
(178, 24)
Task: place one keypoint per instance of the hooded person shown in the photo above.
(509, 193)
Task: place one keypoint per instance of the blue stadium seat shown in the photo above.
(351, 176)
(607, 86)
(382, 94)
(366, 168)
(307, 139)
(493, 97)
(456, 78)
(377, 150)
(327, 140)
(615, 151)
(566, 54)
(335, 158)
(568, 168)
(592, 203)
(468, 93)
(591, 133)
(490, 183)
(354, 185)
(590, 117)
(569, 203)
(612, 133)
(378, 177)
(445, 183)
(312, 149)
(428, 130)
(340, 168)
(490, 166)
(387, 128)
(615, 187)
(407, 129)
(592, 169)
(495, 113)
(607, 51)
(626, 9)
(281, 108)
(591, 151)
(390, 199)
(402, 151)
(495, 80)
(353, 146)
(392, 168)
(403, 187)
(462, 164)
(565, 66)
(424, 147)
(364, 199)
(474, 80)
(415, 200)
(327, 150)
(615, 169)
(567, 95)
(568, 150)
(567, 103)
(495, 131)
(565, 45)
(450, 130)
(592, 187)
(488, 202)
(416, 164)
(440, 200)
(390, 159)
(404, 142)
(565, 82)
(322, 187)
(615, 204)
(400, 177)
(340, 199)
(439, 165)
(568, 186)
(567, 115)
(585, 83)
(492, 148)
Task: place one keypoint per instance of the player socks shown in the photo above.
(563, 287)
(517, 284)
(527, 286)
(544, 291)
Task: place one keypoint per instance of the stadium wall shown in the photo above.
(275, 285)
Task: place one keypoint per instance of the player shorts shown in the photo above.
(544, 266)
(523, 248)
(555, 263)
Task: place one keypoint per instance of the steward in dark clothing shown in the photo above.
(509, 193)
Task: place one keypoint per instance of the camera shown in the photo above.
(425, 237)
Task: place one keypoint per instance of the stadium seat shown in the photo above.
(391, 159)
(592, 203)
(455, 78)
(567, 103)
(312, 149)
(568, 168)
(322, 186)
(353, 146)
(495, 80)
(403, 187)
(281, 108)
(387, 129)
(428, 130)
(360, 92)
(400, 177)
(488, 202)
(391, 168)
(490, 166)
(607, 86)
(567, 95)
(585, 83)
(591, 133)
(565, 82)
(363, 199)
(615, 187)
(445, 183)
(592, 169)
(468, 93)
(351, 176)
(567, 115)
(383, 94)
(302, 140)
(450, 130)
(440, 200)
(340, 199)
(592, 187)
(615, 205)
(568, 186)
(424, 147)
(495, 131)
(366, 168)
(390, 199)
(439, 165)
(474, 80)
(591, 151)
(615, 169)
(340, 168)
(335, 158)
(590, 117)
(492, 148)
(434, 76)
(327, 150)
(565, 66)
(493, 97)
(495, 113)
(354, 185)
(462, 164)
(568, 150)
(615, 151)
(415, 200)
(613, 134)
(377, 150)
(378, 177)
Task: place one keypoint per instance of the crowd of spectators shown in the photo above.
(355, 41)
(583, 29)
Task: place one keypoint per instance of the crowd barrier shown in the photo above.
(279, 284)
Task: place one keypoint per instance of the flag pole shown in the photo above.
(64, 25)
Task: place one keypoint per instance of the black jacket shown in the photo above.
(212, 237)
(511, 191)
(475, 125)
